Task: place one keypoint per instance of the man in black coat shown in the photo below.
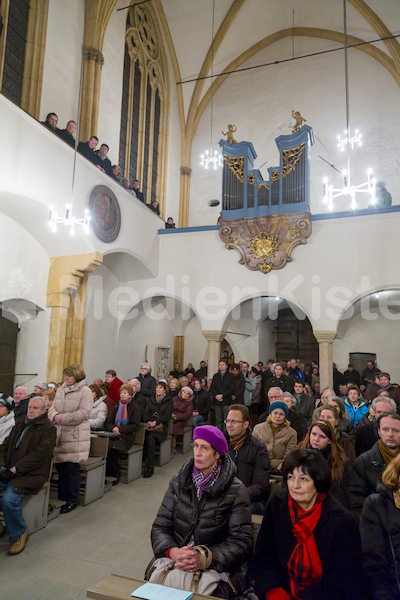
(352, 376)
(368, 468)
(137, 397)
(369, 373)
(25, 459)
(367, 435)
(87, 149)
(250, 456)
(67, 133)
(102, 160)
(51, 122)
(280, 380)
(305, 404)
(21, 401)
(221, 390)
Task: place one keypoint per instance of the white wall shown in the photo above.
(32, 345)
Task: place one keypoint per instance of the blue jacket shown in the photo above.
(356, 414)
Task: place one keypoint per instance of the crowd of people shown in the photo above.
(101, 160)
(322, 466)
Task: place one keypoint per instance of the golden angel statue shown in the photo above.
(231, 130)
(299, 121)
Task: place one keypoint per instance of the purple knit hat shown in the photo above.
(213, 436)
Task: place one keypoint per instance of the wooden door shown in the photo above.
(295, 338)
(8, 353)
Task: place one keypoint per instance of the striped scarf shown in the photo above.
(304, 565)
(203, 482)
(238, 443)
(122, 413)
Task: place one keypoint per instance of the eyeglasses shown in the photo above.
(202, 449)
(232, 421)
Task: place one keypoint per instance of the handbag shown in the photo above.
(202, 581)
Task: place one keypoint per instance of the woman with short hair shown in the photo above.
(70, 413)
(98, 414)
(308, 547)
(157, 414)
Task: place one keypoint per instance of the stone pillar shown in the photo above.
(214, 339)
(184, 197)
(67, 277)
(325, 340)
(179, 348)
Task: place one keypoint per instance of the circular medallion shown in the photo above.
(105, 213)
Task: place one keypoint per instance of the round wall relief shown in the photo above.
(105, 213)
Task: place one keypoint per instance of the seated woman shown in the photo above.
(329, 413)
(380, 536)
(277, 434)
(206, 505)
(345, 421)
(123, 422)
(321, 437)
(173, 387)
(7, 419)
(98, 414)
(308, 547)
(201, 403)
(157, 415)
(182, 411)
(190, 371)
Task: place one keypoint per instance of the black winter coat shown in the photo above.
(366, 437)
(161, 412)
(306, 406)
(147, 385)
(222, 385)
(238, 389)
(201, 402)
(127, 430)
(253, 467)
(365, 476)
(380, 532)
(220, 520)
(34, 455)
(338, 543)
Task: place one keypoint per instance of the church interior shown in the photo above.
(159, 82)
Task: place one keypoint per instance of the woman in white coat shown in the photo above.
(70, 413)
(98, 414)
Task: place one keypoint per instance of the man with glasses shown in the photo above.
(250, 456)
(38, 389)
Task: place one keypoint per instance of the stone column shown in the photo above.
(179, 348)
(325, 340)
(186, 173)
(214, 339)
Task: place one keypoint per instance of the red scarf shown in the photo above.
(304, 565)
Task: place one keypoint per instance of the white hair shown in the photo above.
(138, 384)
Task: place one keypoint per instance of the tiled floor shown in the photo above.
(74, 551)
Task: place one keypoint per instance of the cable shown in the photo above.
(284, 60)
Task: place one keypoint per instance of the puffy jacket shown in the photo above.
(147, 384)
(221, 520)
(253, 467)
(73, 433)
(98, 414)
(34, 454)
(183, 410)
(380, 529)
(365, 476)
(6, 424)
(356, 414)
(201, 402)
(161, 412)
(278, 445)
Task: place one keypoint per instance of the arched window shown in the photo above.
(14, 43)
(145, 104)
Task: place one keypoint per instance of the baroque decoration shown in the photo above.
(266, 242)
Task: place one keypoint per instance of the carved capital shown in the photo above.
(325, 337)
(93, 54)
(186, 171)
(214, 336)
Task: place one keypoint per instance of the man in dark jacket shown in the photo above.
(21, 400)
(369, 373)
(102, 160)
(147, 381)
(279, 380)
(66, 134)
(25, 459)
(352, 376)
(250, 456)
(367, 435)
(373, 389)
(305, 404)
(87, 149)
(221, 390)
(368, 468)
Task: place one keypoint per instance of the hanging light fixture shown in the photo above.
(211, 158)
(69, 220)
(348, 143)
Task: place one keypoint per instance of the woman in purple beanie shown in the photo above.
(206, 505)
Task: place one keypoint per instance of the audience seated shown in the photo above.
(25, 459)
(373, 389)
(177, 372)
(123, 423)
(367, 435)
(113, 389)
(87, 149)
(99, 411)
(51, 122)
(138, 397)
(202, 371)
(344, 418)
(201, 404)
(67, 133)
(329, 413)
(355, 406)
(49, 395)
(182, 411)
(102, 160)
(249, 455)
(21, 400)
(147, 381)
(7, 418)
(369, 466)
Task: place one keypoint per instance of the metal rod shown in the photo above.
(17, 374)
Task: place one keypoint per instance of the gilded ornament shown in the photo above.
(290, 158)
(236, 165)
(231, 130)
(299, 121)
(294, 233)
(265, 245)
(264, 268)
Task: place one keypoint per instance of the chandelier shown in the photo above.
(348, 143)
(211, 158)
(69, 221)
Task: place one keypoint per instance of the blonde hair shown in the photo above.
(391, 474)
(75, 371)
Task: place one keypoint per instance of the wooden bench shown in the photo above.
(163, 449)
(118, 587)
(130, 461)
(184, 442)
(93, 471)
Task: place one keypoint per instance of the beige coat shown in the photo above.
(278, 445)
(73, 433)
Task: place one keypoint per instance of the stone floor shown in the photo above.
(74, 551)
